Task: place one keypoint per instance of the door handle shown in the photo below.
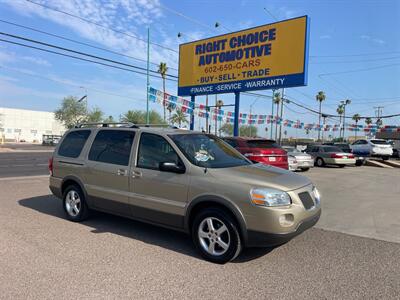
(136, 174)
(122, 172)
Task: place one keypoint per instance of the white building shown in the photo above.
(28, 125)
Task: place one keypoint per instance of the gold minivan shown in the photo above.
(184, 180)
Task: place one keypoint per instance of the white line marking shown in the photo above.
(23, 177)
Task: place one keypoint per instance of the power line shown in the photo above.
(100, 25)
(78, 42)
(354, 61)
(356, 55)
(69, 84)
(359, 70)
(79, 52)
(79, 58)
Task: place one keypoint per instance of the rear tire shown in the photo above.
(305, 169)
(341, 166)
(215, 235)
(74, 204)
(320, 162)
(385, 157)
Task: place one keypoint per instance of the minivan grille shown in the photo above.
(307, 200)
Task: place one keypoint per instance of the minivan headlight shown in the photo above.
(317, 195)
(269, 197)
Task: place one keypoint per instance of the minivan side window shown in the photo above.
(112, 147)
(153, 150)
(73, 143)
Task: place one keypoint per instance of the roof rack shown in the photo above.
(107, 124)
(157, 125)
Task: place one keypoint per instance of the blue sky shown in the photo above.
(344, 36)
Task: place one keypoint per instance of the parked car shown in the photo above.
(360, 160)
(293, 164)
(373, 148)
(259, 150)
(396, 148)
(184, 180)
(304, 160)
(330, 155)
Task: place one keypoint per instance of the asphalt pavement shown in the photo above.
(42, 255)
(24, 163)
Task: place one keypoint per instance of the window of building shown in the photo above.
(112, 146)
(73, 143)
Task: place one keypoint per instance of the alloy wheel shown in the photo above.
(73, 203)
(214, 236)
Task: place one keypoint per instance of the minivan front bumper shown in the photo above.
(263, 239)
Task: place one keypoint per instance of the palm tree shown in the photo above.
(356, 118)
(368, 121)
(179, 117)
(320, 97)
(340, 111)
(162, 69)
(170, 109)
(277, 101)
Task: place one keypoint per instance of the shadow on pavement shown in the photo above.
(147, 233)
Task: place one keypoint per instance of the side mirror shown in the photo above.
(171, 167)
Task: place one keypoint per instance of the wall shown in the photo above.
(28, 125)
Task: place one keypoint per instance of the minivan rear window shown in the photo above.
(262, 144)
(379, 142)
(73, 143)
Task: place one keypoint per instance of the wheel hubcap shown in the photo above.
(214, 236)
(73, 203)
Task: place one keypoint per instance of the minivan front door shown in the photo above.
(158, 196)
(107, 178)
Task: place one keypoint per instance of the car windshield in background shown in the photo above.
(208, 151)
(379, 142)
(332, 149)
(291, 149)
(262, 144)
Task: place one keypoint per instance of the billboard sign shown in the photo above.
(265, 57)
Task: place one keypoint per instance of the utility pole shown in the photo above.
(344, 103)
(272, 113)
(378, 111)
(280, 125)
(216, 115)
(148, 76)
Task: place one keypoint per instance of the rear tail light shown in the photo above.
(350, 156)
(335, 155)
(51, 166)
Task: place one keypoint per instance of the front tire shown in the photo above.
(215, 235)
(74, 204)
(320, 162)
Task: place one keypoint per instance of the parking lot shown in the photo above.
(352, 253)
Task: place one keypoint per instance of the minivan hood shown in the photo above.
(260, 175)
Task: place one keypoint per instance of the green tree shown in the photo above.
(277, 100)
(95, 115)
(179, 117)
(340, 111)
(139, 117)
(356, 118)
(244, 130)
(71, 112)
(368, 121)
(163, 69)
(320, 97)
(109, 119)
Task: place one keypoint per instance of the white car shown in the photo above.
(293, 164)
(373, 148)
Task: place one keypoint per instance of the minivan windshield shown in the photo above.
(208, 151)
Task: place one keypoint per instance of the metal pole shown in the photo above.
(280, 125)
(344, 121)
(236, 119)
(272, 113)
(193, 99)
(216, 116)
(207, 111)
(148, 76)
(250, 120)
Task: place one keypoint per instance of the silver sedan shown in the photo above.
(304, 160)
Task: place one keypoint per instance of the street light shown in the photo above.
(345, 103)
(84, 97)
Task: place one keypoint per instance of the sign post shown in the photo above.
(270, 56)
(193, 99)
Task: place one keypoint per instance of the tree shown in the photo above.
(368, 121)
(179, 117)
(379, 122)
(139, 117)
(340, 111)
(244, 130)
(162, 69)
(109, 119)
(71, 112)
(320, 97)
(95, 115)
(356, 118)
